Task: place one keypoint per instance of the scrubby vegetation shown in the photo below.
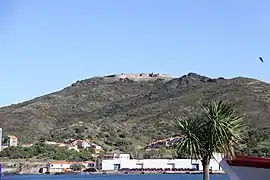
(120, 113)
(42, 151)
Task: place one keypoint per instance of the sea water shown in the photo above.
(116, 177)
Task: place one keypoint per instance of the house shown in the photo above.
(116, 156)
(64, 166)
(164, 142)
(98, 149)
(84, 144)
(61, 145)
(76, 142)
(27, 145)
(74, 147)
(11, 141)
(58, 166)
(50, 143)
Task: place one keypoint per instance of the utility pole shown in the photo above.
(99, 162)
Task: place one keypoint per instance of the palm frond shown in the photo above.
(218, 129)
(189, 128)
(224, 126)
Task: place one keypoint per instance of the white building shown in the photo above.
(51, 143)
(73, 147)
(27, 145)
(84, 144)
(124, 162)
(164, 142)
(12, 140)
(63, 166)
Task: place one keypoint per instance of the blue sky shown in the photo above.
(46, 45)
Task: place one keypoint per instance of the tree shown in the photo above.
(218, 128)
(136, 152)
(42, 150)
(256, 143)
(151, 154)
(77, 167)
(171, 153)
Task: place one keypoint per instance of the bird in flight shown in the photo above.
(261, 59)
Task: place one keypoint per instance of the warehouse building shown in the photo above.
(123, 161)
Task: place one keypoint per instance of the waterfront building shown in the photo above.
(64, 166)
(123, 161)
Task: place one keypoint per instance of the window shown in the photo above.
(91, 165)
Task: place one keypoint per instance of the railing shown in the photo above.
(159, 169)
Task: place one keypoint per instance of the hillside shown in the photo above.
(120, 110)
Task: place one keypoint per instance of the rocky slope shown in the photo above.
(119, 111)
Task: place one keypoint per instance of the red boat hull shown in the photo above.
(247, 168)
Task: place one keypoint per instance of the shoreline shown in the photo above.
(120, 173)
(156, 172)
(139, 172)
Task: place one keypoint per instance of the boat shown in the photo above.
(246, 168)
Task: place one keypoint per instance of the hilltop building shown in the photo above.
(161, 143)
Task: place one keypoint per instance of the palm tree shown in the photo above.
(217, 129)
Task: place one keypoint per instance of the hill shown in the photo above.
(120, 111)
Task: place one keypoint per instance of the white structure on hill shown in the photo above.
(123, 161)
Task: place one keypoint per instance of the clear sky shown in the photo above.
(46, 45)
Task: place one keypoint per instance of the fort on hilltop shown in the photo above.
(140, 76)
